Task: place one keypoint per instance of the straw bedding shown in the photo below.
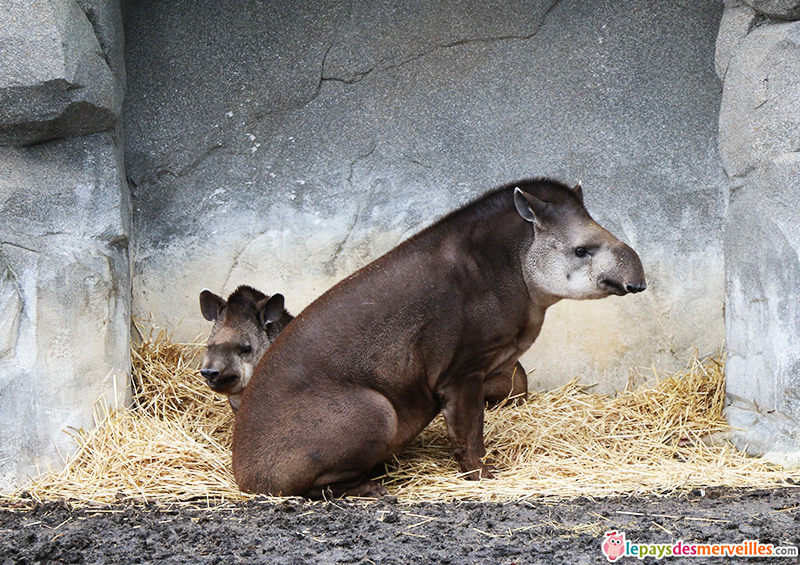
(173, 445)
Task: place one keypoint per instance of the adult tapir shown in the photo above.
(244, 327)
(427, 327)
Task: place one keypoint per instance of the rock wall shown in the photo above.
(284, 145)
(64, 225)
(758, 58)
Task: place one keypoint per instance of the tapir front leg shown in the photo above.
(462, 408)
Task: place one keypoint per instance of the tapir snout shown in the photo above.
(626, 275)
(216, 381)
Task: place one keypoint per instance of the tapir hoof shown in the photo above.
(378, 492)
(485, 472)
(367, 489)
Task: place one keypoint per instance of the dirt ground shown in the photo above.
(297, 531)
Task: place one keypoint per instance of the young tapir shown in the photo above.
(428, 327)
(244, 327)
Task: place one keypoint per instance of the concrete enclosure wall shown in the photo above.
(286, 144)
(759, 140)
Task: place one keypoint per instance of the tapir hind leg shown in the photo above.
(365, 431)
(511, 385)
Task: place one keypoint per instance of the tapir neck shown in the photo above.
(235, 400)
(541, 301)
(497, 245)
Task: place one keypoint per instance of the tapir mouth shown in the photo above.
(621, 289)
(221, 383)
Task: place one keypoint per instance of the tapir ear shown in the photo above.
(578, 190)
(270, 309)
(529, 207)
(211, 305)
(522, 206)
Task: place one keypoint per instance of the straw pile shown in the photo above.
(173, 445)
(656, 439)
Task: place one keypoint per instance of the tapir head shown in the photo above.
(572, 256)
(244, 327)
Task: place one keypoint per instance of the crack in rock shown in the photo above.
(358, 76)
(11, 307)
(183, 171)
(93, 19)
(238, 255)
(330, 265)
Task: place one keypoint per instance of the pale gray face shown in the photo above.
(581, 261)
(243, 331)
(574, 257)
(233, 350)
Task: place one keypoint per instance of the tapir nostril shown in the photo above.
(634, 288)
(209, 374)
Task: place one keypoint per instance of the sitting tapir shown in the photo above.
(427, 327)
(244, 327)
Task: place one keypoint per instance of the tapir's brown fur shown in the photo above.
(244, 327)
(428, 327)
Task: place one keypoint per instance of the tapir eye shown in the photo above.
(581, 252)
(246, 350)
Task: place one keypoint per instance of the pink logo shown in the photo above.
(614, 545)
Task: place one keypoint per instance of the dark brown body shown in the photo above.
(429, 327)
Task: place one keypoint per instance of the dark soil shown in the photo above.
(388, 532)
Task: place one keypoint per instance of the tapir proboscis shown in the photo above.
(428, 327)
(244, 327)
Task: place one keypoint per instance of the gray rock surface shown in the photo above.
(738, 20)
(286, 145)
(760, 149)
(64, 297)
(65, 216)
(771, 435)
(56, 81)
(760, 105)
(783, 9)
